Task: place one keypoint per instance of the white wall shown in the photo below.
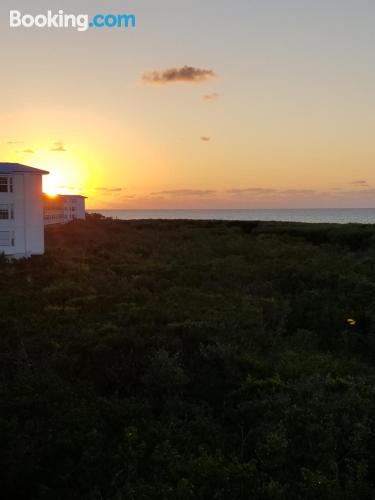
(27, 224)
(80, 208)
(74, 207)
(7, 225)
(34, 224)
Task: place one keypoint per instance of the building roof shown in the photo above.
(17, 168)
(58, 198)
(72, 195)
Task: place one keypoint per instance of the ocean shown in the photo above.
(333, 215)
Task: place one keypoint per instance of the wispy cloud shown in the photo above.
(108, 190)
(31, 151)
(259, 191)
(253, 191)
(359, 183)
(298, 192)
(361, 192)
(14, 142)
(240, 197)
(58, 147)
(184, 192)
(205, 138)
(211, 97)
(186, 74)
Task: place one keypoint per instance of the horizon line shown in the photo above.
(221, 209)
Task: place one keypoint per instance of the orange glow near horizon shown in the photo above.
(284, 124)
(67, 173)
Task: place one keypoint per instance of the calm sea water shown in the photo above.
(341, 216)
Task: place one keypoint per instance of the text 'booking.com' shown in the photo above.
(81, 22)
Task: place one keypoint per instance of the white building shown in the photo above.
(63, 208)
(74, 206)
(21, 210)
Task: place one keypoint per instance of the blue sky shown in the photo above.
(291, 123)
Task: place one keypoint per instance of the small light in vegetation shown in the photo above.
(351, 321)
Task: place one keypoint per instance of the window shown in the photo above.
(6, 238)
(6, 211)
(6, 184)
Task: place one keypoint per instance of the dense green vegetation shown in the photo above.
(179, 360)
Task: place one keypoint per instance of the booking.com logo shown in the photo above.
(81, 22)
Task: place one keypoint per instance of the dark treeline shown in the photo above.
(179, 360)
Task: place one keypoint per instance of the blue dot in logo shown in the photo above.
(91, 25)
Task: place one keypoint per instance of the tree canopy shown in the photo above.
(179, 360)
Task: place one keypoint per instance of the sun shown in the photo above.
(66, 174)
(49, 187)
(51, 192)
(69, 174)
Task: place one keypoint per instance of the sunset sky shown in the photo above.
(205, 104)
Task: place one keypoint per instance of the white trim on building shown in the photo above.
(21, 210)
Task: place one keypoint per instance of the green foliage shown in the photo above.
(189, 360)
